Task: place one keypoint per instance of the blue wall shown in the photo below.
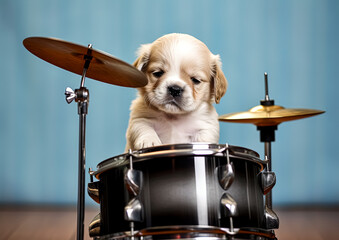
(296, 42)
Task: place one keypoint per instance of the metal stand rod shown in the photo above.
(268, 154)
(82, 111)
(267, 135)
(81, 96)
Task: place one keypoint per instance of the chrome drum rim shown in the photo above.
(179, 150)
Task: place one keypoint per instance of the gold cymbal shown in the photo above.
(69, 56)
(269, 115)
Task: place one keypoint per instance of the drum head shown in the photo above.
(179, 150)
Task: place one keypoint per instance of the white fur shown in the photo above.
(157, 117)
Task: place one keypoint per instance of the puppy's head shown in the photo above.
(182, 73)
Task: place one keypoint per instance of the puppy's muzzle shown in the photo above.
(175, 91)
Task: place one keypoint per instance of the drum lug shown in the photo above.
(134, 211)
(271, 219)
(226, 175)
(230, 209)
(268, 180)
(133, 181)
(93, 191)
(94, 226)
(133, 178)
(228, 205)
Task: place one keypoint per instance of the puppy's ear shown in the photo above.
(220, 81)
(143, 57)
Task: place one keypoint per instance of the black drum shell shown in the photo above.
(169, 193)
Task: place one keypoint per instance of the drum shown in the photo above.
(182, 190)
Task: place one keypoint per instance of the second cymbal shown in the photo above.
(269, 115)
(69, 56)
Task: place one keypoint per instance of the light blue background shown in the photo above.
(295, 41)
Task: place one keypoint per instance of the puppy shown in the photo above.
(184, 80)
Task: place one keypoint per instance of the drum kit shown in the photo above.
(179, 191)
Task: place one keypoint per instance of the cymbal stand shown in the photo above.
(267, 135)
(81, 96)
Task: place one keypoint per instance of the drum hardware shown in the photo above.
(133, 211)
(94, 64)
(228, 204)
(90, 172)
(268, 180)
(93, 191)
(94, 226)
(226, 177)
(93, 187)
(133, 178)
(230, 209)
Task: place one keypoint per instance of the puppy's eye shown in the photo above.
(195, 81)
(158, 74)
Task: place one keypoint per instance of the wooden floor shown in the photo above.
(18, 223)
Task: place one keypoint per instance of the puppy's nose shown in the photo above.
(175, 90)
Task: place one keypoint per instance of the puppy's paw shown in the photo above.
(208, 136)
(147, 142)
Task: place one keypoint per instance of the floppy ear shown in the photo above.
(143, 57)
(220, 81)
